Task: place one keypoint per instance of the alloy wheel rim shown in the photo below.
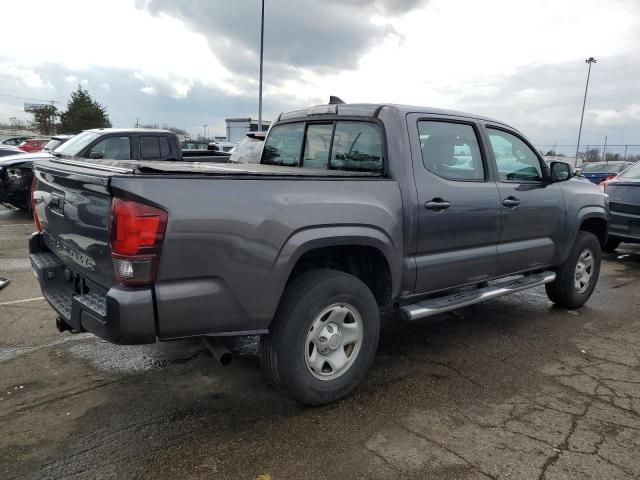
(333, 341)
(584, 271)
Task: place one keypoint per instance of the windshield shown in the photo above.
(632, 173)
(78, 143)
(603, 167)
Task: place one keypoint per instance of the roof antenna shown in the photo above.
(333, 100)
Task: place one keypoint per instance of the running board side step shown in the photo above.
(434, 306)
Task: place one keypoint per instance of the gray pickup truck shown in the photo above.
(354, 208)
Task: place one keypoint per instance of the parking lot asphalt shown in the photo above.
(514, 388)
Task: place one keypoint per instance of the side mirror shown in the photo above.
(96, 155)
(560, 171)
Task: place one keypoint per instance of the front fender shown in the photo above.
(584, 213)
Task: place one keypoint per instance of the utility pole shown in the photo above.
(261, 57)
(52, 118)
(137, 122)
(205, 130)
(604, 151)
(589, 60)
(625, 152)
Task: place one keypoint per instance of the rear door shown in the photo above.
(532, 208)
(458, 203)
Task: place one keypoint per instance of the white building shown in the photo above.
(238, 127)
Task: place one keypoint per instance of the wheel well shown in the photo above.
(367, 263)
(597, 226)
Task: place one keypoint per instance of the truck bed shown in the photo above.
(140, 167)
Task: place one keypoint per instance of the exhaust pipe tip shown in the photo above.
(218, 350)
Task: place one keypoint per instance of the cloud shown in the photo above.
(322, 36)
(545, 101)
(22, 75)
(149, 90)
(71, 78)
(614, 118)
(124, 100)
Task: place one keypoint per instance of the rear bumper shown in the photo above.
(119, 315)
(624, 226)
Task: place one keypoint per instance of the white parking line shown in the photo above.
(17, 225)
(22, 301)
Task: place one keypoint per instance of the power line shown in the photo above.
(31, 99)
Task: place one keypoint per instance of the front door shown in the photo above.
(458, 204)
(533, 209)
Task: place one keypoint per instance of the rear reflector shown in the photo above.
(137, 232)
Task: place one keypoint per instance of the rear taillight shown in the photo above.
(605, 180)
(137, 232)
(36, 220)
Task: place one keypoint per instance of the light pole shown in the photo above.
(261, 56)
(589, 60)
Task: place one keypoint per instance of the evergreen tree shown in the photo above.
(44, 119)
(83, 112)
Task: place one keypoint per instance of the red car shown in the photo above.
(33, 145)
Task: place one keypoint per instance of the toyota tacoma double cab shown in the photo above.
(353, 209)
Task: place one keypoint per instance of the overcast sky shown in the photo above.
(190, 62)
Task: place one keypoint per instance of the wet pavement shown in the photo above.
(514, 388)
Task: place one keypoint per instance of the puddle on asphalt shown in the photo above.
(108, 357)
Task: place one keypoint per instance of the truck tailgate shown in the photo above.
(72, 204)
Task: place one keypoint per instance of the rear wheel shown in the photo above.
(323, 338)
(577, 276)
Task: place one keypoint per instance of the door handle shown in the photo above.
(437, 204)
(511, 202)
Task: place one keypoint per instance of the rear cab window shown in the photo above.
(154, 147)
(336, 145)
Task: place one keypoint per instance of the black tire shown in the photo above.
(283, 350)
(562, 290)
(611, 244)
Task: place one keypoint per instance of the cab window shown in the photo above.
(283, 145)
(113, 148)
(450, 150)
(339, 145)
(516, 161)
(357, 146)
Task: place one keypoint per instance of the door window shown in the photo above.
(113, 148)
(451, 150)
(516, 161)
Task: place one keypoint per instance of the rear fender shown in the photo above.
(304, 241)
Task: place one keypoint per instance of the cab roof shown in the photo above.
(371, 110)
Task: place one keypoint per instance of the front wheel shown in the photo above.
(323, 338)
(577, 276)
